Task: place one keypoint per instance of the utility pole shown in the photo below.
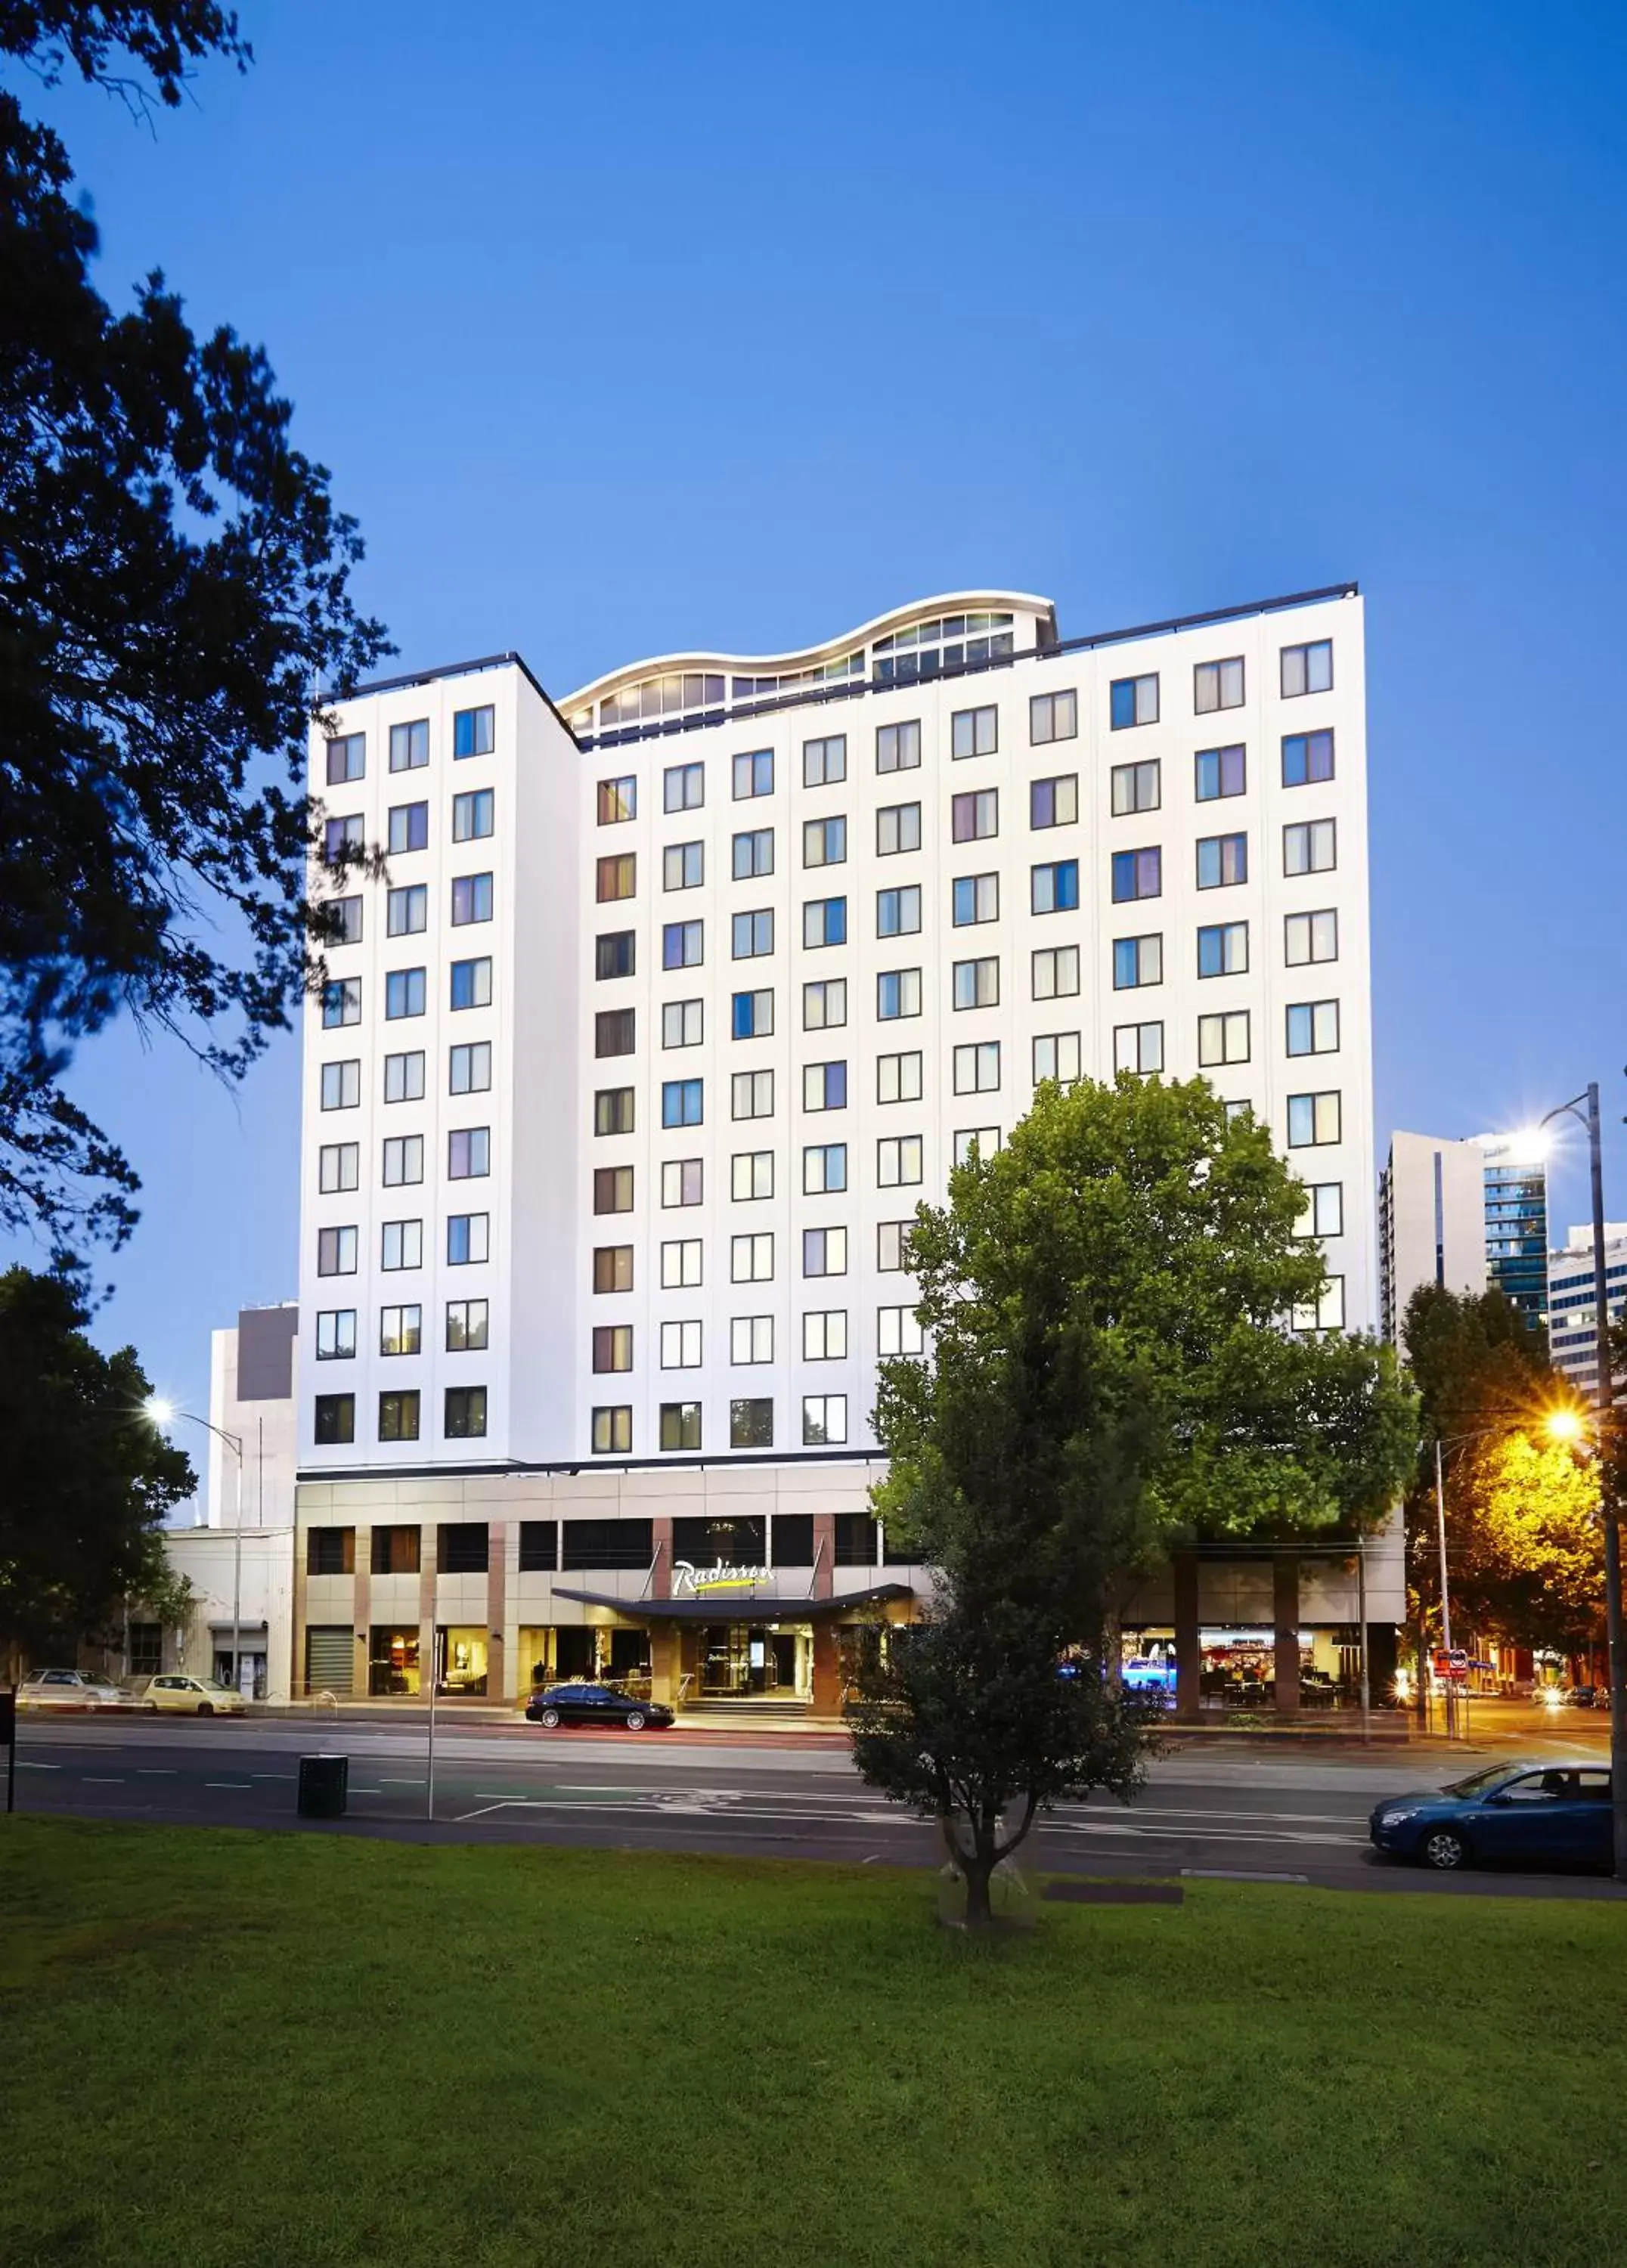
(1446, 1596)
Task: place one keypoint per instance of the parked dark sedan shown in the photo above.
(1545, 1815)
(595, 1705)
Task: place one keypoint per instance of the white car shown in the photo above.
(194, 1697)
(68, 1688)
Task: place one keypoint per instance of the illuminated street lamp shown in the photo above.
(161, 1413)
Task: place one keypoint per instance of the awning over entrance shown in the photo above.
(739, 1605)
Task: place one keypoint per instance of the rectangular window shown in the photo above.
(1133, 701)
(471, 899)
(336, 1423)
(345, 915)
(618, 799)
(1219, 772)
(335, 1335)
(1056, 802)
(613, 1268)
(898, 827)
(751, 1094)
(403, 993)
(898, 1077)
(977, 898)
(614, 1032)
(683, 787)
(683, 944)
(1307, 759)
(1054, 888)
(146, 1649)
(892, 1247)
(335, 1252)
(474, 814)
(680, 1424)
(400, 1245)
(1314, 1027)
(824, 922)
(1218, 685)
(401, 1331)
(824, 762)
(824, 842)
(898, 1332)
(824, 1087)
(1223, 949)
(468, 1153)
(824, 1168)
(824, 1335)
(1053, 717)
(338, 1166)
(751, 1339)
(539, 1547)
(975, 1142)
(403, 1160)
(616, 877)
(347, 758)
(613, 1347)
(824, 1252)
(1055, 972)
(342, 1085)
(683, 1181)
(612, 1188)
(1307, 668)
(396, 1550)
(754, 854)
(898, 1161)
(824, 1421)
(342, 1002)
(898, 993)
(898, 912)
(409, 828)
(1136, 960)
(403, 1077)
(1223, 1039)
(898, 747)
(1324, 1314)
(464, 1413)
(1309, 847)
(1312, 1119)
(409, 746)
(469, 1236)
(1222, 859)
(468, 1068)
(751, 1175)
(474, 732)
(977, 1067)
(616, 953)
(754, 775)
(683, 866)
(612, 1110)
(1323, 1213)
(612, 1430)
(752, 935)
(973, 818)
(751, 1258)
(684, 1022)
(977, 983)
(1057, 1056)
(683, 1101)
(974, 732)
(1137, 874)
(752, 1015)
(751, 1425)
(1310, 936)
(471, 984)
(1138, 1048)
(824, 1005)
(680, 1346)
(682, 1261)
(398, 1416)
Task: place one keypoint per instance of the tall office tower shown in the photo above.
(1573, 1306)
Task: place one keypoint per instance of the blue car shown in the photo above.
(1543, 1814)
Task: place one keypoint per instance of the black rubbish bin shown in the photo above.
(324, 1786)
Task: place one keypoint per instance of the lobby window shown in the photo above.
(898, 1161)
(1310, 848)
(1310, 936)
(681, 1425)
(404, 993)
(751, 1094)
(342, 1002)
(616, 877)
(824, 842)
(754, 775)
(1054, 888)
(680, 1346)
(751, 1175)
(471, 984)
(409, 828)
(1218, 685)
(1222, 860)
(467, 1324)
(338, 1166)
(1055, 972)
(1322, 1212)
(1314, 1027)
(825, 1335)
(1223, 949)
(791, 1540)
(898, 827)
(1135, 787)
(898, 1332)
(683, 787)
(892, 1247)
(612, 1435)
(468, 1068)
(683, 1101)
(1223, 1039)
(613, 1268)
(977, 983)
(1307, 759)
(539, 1547)
(683, 866)
(614, 1032)
(1133, 701)
(398, 1416)
(616, 953)
(824, 922)
(683, 1181)
(403, 1076)
(613, 1110)
(331, 1551)
(824, 762)
(340, 835)
(751, 1339)
(585, 1543)
(974, 817)
(400, 1245)
(1053, 717)
(977, 1067)
(335, 1335)
(1307, 668)
(751, 1258)
(824, 1005)
(613, 1346)
(409, 746)
(468, 1235)
(1057, 1056)
(347, 758)
(1219, 772)
(1056, 802)
(1138, 1048)
(857, 1541)
(474, 732)
(335, 1421)
(751, 1425)
(396, 1551)
(824, 1421)
(474, 814)
(618, 799)
(898, 1078)
(824, 1252)
(752, 935)
(1136, 960)
(471, 899)
(403, 1160)
(974, 732)
(468, 1153)
(684, 1022)
(976, 898)
(335, 1252)
(342, 1085)
(824, 1168)
(898, 993)
(683, 944)
(682, 1261)
(898, 747)
(754, 854)
(1137, 874)
(898, 912)
(1314, 1119)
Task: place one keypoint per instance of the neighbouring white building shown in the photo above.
(675, 1000)
(1469, 1214)
(1572, 1300)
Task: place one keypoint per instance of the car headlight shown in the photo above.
(1393, 1815)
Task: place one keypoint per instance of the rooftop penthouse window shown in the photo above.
(953, 642)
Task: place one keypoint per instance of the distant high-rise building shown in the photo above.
(1469, 1214)
(1572, 1307)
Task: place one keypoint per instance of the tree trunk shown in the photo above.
(979, 1911)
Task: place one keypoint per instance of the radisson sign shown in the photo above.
(696, 1582)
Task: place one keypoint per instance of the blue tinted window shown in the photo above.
(1307, 757)
(473, 732)
(681, 945)
(403, 992)
(680, 1102)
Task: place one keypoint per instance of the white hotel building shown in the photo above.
(676, 999)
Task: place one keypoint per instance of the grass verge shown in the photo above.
(224, 2047)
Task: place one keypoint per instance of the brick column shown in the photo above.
(497, 1597)
(361, 1611)
(429, 1541)
(297, 1668)
(1188, 1649)
(824, 1566)
(666, 1663)
(826, 1669)
(661, 1535)
(1285, 1621)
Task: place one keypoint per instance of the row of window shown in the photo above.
(468, 1159)
(406, 993)
(463, 1416)
(474, 734)
(468, 1071)
(751, 1339)
(548, 1546)
(751, 1425)
(401, 1331)
(407, 908)
(407, 827)
(400, 1245)
(1301, 669)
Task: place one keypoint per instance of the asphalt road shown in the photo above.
(1209, 1809)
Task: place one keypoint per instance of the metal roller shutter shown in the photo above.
(330, 1661)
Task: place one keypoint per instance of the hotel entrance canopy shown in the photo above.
(740, 1606)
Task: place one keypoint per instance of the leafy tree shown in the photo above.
(175, 583)
(85, 1479)
(1524, 1545)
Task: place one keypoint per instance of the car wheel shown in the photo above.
(1443, 1849)
(635, 1720)
(549, 1717)
(206, 1708)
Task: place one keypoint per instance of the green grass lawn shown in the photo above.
(223, 2047)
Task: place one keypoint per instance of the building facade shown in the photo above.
(1572, 1302)
(1469, 1214)
(675, 1000)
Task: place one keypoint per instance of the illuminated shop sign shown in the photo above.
(723, 1576)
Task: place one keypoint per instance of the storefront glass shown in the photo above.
(392, 1661)
(463, 1657)
(756, 1661)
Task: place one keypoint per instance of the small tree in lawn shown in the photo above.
(1111, 1375)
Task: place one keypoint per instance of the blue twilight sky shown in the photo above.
(629, 330)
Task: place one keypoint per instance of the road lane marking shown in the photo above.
(151, 1772)
(92, 1779)
(27, 1764)
(240, 1785)
(287, 1775)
